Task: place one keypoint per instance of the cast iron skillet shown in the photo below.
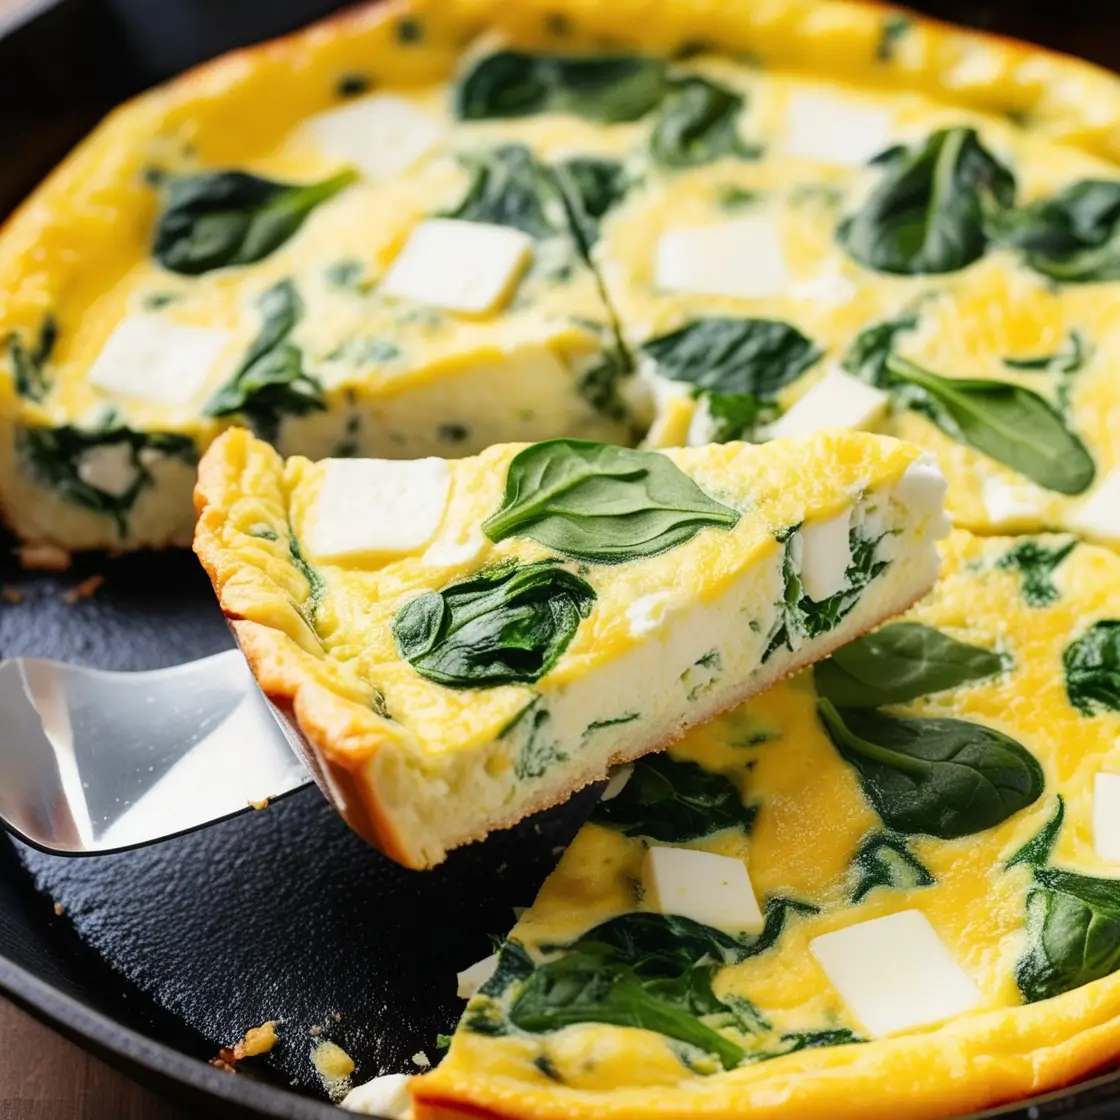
(157, 957)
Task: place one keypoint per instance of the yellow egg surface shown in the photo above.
(600, 1003)
(424, 228)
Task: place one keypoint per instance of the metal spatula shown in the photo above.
(94, 761)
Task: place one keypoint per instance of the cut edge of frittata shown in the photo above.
(789, 596)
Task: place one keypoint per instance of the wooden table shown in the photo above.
(45, 1077)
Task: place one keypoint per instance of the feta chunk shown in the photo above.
(382, 135)
(921, 490)
(1099, 515)
(617, 781)
(154, 360)
(471, 267)
(386, 1096)
(834, 130)
(895, 973)
(472, 978)
(826, 555)
(647, 613)
(1106, 816)
(741, 259)
(1012, 505)
(378, 507)
(109, 467)
(836, 401)
(708, 888)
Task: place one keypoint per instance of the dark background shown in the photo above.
(281, 914)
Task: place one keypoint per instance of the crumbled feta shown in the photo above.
(741, 259)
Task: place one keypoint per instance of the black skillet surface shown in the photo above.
(160, 956)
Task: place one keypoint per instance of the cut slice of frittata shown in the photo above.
(465, 642)
(887, 888)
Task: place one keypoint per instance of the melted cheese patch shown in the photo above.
(829, 129)
(713, 889)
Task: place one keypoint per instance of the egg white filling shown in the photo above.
(697, 660)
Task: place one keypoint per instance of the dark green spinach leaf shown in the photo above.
(271, 382)
(698, 123)
(933, 208)
(592, 187)
(900, 662)
(885, 860)
(508, 187)
(1036, 852)
(867, 356)
(225, 218)
(29, 363)
(607, 88)
(1072, 238)
(1004, 421)
(1092, 666)
(505, 625)
(940, 777)
(602, 503)
(1073, 923)
(675, 802)
(1036, 566)
(740, 356)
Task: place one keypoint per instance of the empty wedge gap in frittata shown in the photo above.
(463, 643)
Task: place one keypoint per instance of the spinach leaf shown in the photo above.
(867, 356)
(885, 860)
(1036, 565)
(932, 210)
(1092, 665)
(29, 364)
(900, 662)
(800, 617)
(1036, 852)
(1006, 422)
(592, 187)
(538, 752)
(514, 965)
(675, 802)
(508, 187)
(56, 458)
(599, 386)
(940, 777)
(1073, 923)
(893, 29)
(225, 218)
(1072, 238)
(586, 989)
(699, 123)
(602, 503)
(1070, 358)
(608, 88)
(316, 587)
(505, 625)
(736, 416)
(813, 1040)
(271, 382)
(758, 357)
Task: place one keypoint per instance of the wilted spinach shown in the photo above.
(607, 88)
(1036, 852)
(1072, 238)
(933, 209)
(899, 662)
(505, 625)
(29, 362)
(592, 186)
(885, 860)
(1073, 922)
(675, 801)
(698, 123)
(1092, 667)
(801, 617)
(53, 457)
(939, 777)
(602, 503)
(1036, 566)
(225, 218)
(271, 382)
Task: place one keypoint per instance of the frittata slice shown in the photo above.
(465, 642)
(928, 824)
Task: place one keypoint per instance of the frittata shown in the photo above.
(424, 228)
(464, 642)
(929, 825)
